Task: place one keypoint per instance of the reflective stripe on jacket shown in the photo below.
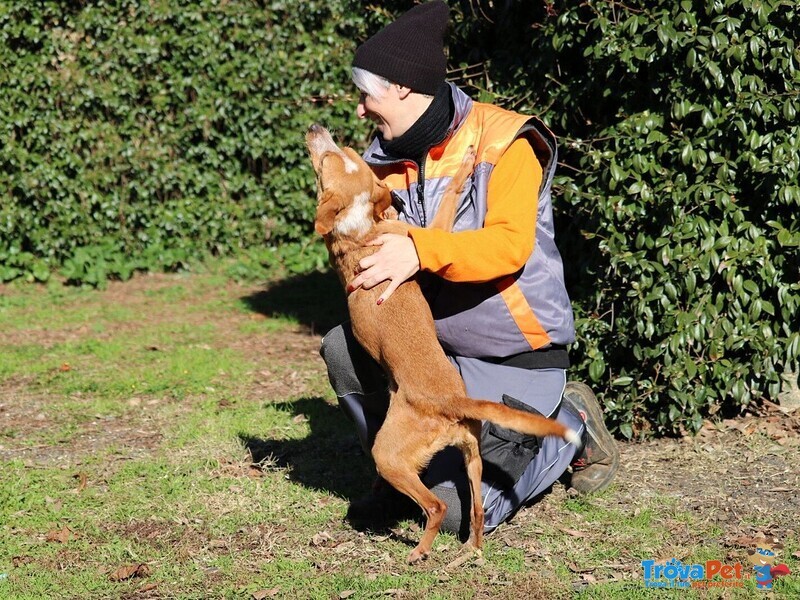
(528, 310)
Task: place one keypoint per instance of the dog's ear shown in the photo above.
(381, 198)
(327, 209)
(354, 155)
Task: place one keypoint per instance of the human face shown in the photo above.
(387, 112)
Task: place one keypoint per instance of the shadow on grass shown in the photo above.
(315, 300)
(329, 459)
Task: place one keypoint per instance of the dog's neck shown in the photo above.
(356, 220)
(347, 246)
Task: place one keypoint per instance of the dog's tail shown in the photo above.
(523, 422)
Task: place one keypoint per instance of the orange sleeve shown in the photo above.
(504, 243)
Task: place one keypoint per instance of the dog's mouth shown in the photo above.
(319, 141)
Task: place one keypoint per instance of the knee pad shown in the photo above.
(351, 370)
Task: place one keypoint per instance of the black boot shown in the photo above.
(594, 469)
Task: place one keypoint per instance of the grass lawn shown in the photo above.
(174, 436)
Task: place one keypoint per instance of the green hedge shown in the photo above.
(143, 135)
(678, 193)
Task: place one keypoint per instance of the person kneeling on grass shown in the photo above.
(495, 284)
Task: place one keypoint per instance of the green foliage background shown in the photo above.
(142, 135)
(682, 150)
(139, 135)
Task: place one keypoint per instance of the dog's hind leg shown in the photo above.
(472, 460)
(409, 483)
(399, 458)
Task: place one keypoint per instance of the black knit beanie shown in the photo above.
(410, 51)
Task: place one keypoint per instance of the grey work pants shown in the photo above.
(361, 387)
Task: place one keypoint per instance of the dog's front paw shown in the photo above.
(474, 544)
(418, 554)
(396, 227)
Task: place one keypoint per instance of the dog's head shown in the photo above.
(349, 196)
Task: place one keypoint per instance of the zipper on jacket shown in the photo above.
(467, 205)
(421, 193)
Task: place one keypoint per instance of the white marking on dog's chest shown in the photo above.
(349, 165)
(357, 219)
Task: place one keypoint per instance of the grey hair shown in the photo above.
(369, 83)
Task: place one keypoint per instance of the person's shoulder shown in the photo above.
(493, 109)
(497, 122)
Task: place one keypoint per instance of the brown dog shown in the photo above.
(429, 408)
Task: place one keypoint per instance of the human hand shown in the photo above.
(395, 261)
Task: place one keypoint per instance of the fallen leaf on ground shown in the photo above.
(129, 572)
(254, 472)
(261, 594)
(61, 536)
(576, 569)
(573, 532)
(83, 479)
(742, 540)
(320, 538)
(346, 594)
(459, 560)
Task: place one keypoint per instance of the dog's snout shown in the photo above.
(318, 133)
(319, 140)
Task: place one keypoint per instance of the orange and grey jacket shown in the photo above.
(525, 311)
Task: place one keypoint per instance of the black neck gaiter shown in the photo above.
(429, 130)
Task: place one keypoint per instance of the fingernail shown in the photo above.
(380, 301)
